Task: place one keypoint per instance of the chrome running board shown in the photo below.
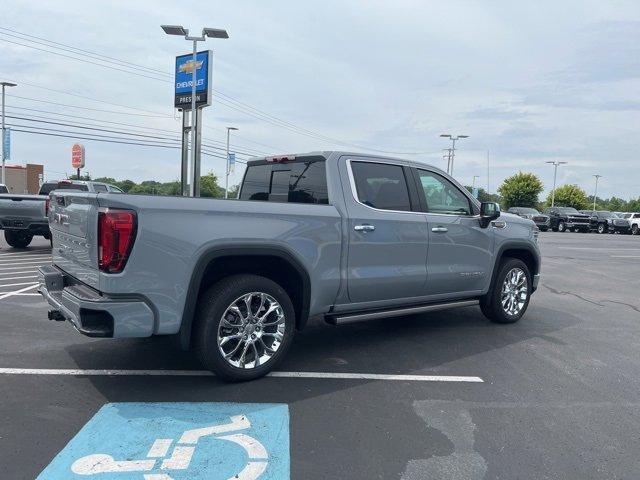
(397, 312)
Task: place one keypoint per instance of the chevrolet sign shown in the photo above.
(184, 80)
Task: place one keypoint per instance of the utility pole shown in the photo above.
(446, 155)
(453, 147)
(473, 184)
(487, 172)
(595, 195)
(226, 176)
(4, 85)
(555, 173)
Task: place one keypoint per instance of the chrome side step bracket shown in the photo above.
(398, 312)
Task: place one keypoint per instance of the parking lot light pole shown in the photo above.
(453, 147)
(226, 177)
(555, 172)
(184, 32)
(595, 195)
(4, 84)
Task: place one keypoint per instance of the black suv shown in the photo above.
(567, 218)
(542, 221)
(607, 222)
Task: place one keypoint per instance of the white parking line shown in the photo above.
(624, 256)
(15, 273)
(16, 285)
(23, 266)
(205, 373)
(26, 264)
(601, 248)
(7, 256)
(4, 295)
(18, 278)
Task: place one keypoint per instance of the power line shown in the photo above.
(93, 127)
(227, 101)
(19, 35)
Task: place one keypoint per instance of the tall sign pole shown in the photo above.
(595, 195)
(4, 153)
(193, 94)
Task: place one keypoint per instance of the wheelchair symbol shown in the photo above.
(181, 455)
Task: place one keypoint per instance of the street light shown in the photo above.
(595, 195)
(555, 171)
(226, 179)
(453, 147)
(4, 84)
(184, 32)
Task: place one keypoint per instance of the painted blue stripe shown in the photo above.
(124, 434)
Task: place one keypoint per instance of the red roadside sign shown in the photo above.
(77, 156)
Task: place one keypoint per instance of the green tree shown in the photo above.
(483, 195)
(233, 191)
(209, 186)
(521, 190)
(569, 196)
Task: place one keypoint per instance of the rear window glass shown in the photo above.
(99, 188)
(381, 185)
(72, 186)
(47, 188)
(295, 182)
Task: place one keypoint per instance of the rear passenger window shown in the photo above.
(99, 188)
(381, 186)
(296, 182)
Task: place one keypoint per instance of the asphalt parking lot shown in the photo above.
(558, 396)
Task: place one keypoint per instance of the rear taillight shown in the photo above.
(46, 207)
(116, 234)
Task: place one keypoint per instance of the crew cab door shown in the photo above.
(460, 257)
(387, 237)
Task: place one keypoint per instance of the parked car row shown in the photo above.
(562, 219)
(23, 216)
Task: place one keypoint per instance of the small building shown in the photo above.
(24, 179)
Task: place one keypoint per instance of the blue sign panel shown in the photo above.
(232, 162)
(6, 144)
(184, 80)
(178, 441)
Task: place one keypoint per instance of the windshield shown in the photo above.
(607, 215)
(568, 210)
(531, 211)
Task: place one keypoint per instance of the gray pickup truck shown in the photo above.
(24, 216)
(333, 235)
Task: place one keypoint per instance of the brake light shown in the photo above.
(281, 159)
(116, 234)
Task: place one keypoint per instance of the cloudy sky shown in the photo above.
(530, 82)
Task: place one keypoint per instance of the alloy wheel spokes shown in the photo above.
(514, 291)
(251, 330)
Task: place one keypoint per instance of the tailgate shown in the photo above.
(23, 207)
(73, 220)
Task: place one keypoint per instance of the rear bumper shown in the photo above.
(620, 228)
(38, 227)
(92, 313)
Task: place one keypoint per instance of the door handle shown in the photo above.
(364, 228)
(440, 229)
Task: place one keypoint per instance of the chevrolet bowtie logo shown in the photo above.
(187, 67)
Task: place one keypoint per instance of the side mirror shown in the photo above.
(489, 211)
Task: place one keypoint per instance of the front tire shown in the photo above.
(244, 327)
(18, 239)
(509, 298)
(561, 226)
(634, 229)
(601, 228)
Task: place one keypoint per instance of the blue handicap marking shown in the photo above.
(178, 441)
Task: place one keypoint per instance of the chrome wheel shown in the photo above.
(515, 289)
(251, 330)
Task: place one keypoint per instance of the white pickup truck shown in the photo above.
(634, 220)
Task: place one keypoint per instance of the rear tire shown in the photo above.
(18, 239)
(225, 346)
(492, 305)
(634, 229)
